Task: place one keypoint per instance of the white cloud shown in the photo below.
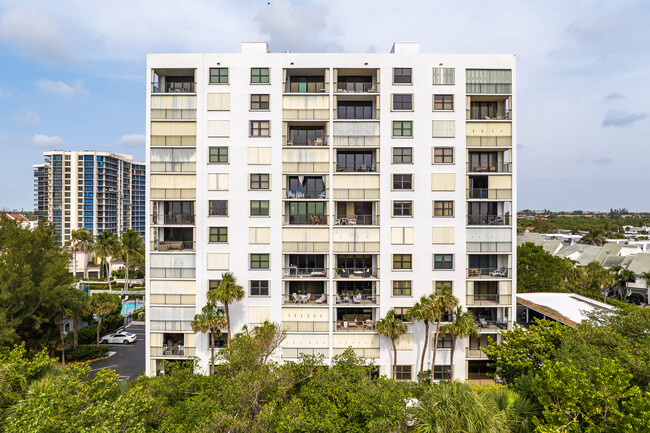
(34, 34)
(40, 140)
(59, 88)
(131, 140)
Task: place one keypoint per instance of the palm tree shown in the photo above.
(210, 320)
(392, 327)
(131, 246)
(81, 240)
(226, 293)
(517, 410)
(102, 304)
(423, 311)
(443, 301)
(594, 237)
(78, 305)
(646, 277)
(461, 326)
(623, 277)
(106, 245)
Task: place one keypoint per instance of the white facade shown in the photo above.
(312, 140)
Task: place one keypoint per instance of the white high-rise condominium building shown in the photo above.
(335, 187)
(101, 191)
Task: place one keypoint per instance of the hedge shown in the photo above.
(88, 334)
(84, 352)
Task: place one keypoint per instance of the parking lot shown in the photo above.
(126, 359)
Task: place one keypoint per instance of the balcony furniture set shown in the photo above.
(299, 194)
(346, 222)
(170, 246)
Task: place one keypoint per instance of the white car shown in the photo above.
(119, 338)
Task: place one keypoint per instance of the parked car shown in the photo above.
(119, 338)
(636, 298)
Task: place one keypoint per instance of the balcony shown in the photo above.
(172, 352)
(488, 113)
(367, 325)
(356, 168)
(177, 219)
(357, 80)
(172, 272)
(356, 110)
(305, 136)
(363, 352)
(366, 272)
(305, 187)
(487, 141)
(305, 299)
(173, 140)
(488, 299)
(356, 220)
(185, 85)
(173, 246)
(305, 246)
(173, 114)
(489, 193)
(173, 167)
(304, 326)
(488, 220)
(356, 193)
(297, 272)
(475, 353)
(488, 81)
(356, 293)
(305, 167)
(491, 272)
(299, 194)
(296, 352)
(305, 114)
(492, 167)
(356, 162)
(305, 220)
(306, 80)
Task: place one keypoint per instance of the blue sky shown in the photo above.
(72, 76)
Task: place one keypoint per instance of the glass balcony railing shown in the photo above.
(483, 113)
(488, 220)
(495, 167)
(368, 272)
(296, 272)
(305, 299)
(172, 272)
(501, 272)
(357, 220)
(173, 246)
(367, 325)
(300, 194)
(173, 87)
(173, 219)
(347, 298)
(356, 87)
(356, 168)
(305, 219)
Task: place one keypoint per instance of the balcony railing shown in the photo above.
(356, 273)
(305, 220)
(356, 140)
(487, 299)
(356, 247)
(490, 193)
(173, 219)
(305, 247)
(305, 114)
(173, 114)
(495, 88)
(172, 193)
(501, 272)
(305, 167)
(356, 193)
(173, 352)
(481, 113)
(303, 141)
(305, 299)
(501, 167)
(486, 141)
(172, 272)
(358, 299)
(358, 87)
(475, 353)
(489, 247)
(491, 325)
(172, 167)
(488, 220)
(173, 246)
(295, 272)
(356, 168)
(308, 87)
(305, 326)
(295, 352)
(367, 325)
(357, 220)
(299, 194)
(173, 140)
(367, 352)
(172, 299)
(173, 87)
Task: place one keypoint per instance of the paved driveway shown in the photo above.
(126, 359)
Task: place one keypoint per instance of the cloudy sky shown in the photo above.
(72, 76)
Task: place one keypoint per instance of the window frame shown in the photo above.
(219, 155)
(221, 233)
(402, 184)
(217, 203)
(400, 129)
(442, 75)
(445, 100)
(396, 287)
(259, 261)
(402, 75)
(410, 102)
(260, 75)
(259, 207)
(259, 101)
(400, 372)
(256, 128)
(443, 261)
(260, 288)
(402, 156)
(443, 208)
(443, 156)
(395, 202)
(260, 182)
(219, 75)
(401, 259)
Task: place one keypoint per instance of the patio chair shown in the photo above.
(368, 324)
(300, 194)
(322, 299)
(357, 298)
(294, 297)
(501, 272)
(306, 298)
(322, 273)
(482, 322)
(322, 194)
(291, 194)
(338, 299)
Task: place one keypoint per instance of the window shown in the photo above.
(259, 261)
(444, 341)
(402, 261)
(354, 110)
(402, 76)
(213, 284)
(443, 155)
(219, 234)
(401, 288)
(443, 208)
(259, 75)
(260, 128)
(443, 76)
(402, 155)
(260, 288)
(402, 128)
(218, 155)
(259, 208)
(403, 372)
(402, 313)
(402, 101)
(441, 372)
(218, 207)
(260, 102)
(402, 208)
(443, 261)
(403, 181)
(443, 102)
(438, 285)
(260, 181)
(218, 75)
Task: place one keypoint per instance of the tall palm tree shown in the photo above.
(226, 293)
(443, 301)
(78, 305)
(594, 237)
(646, 277)
(623, 277)
(461, 326)
(106, 246)
(131, 247)
(102, 304)
(422, 311)
(392, 327)
(81, 240)
(210, 320)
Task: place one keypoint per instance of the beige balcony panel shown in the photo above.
(218, 101)
(443, 181)
(170, 193)
(364, 341)
(305, 247)
(259, 155)
(443, 235)
(173, 102)
(306, 341)
(173, 128)
(218, 261)
(173, 140)
(173, 181)
(259, 314)
(168, 287)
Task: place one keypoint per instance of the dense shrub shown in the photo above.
(139, 315)
(133, 274)
(88, 334)
(84, 352)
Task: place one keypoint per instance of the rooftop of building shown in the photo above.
(567, 308)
